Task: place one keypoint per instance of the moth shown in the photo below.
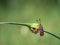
(33, 27)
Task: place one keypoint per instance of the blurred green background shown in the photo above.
(27, 11)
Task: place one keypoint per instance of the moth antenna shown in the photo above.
(37, 21)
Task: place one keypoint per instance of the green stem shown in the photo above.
(52, 34)
(15, 23)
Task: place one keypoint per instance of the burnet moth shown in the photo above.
(34, 27)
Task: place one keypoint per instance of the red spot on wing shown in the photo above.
(41, 30)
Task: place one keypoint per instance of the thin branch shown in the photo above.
(52, 34)
(15, 23)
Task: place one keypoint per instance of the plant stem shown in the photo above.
(15, 23)
(52, 34)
